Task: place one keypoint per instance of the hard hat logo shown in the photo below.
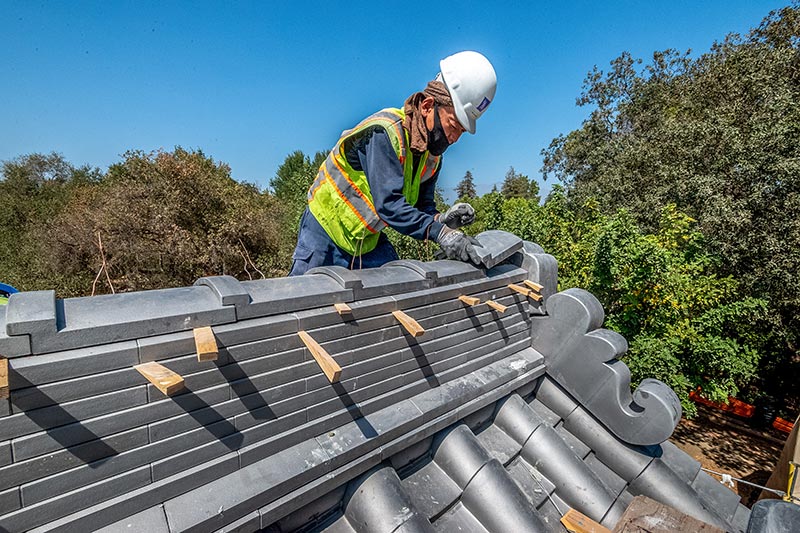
(471, 81)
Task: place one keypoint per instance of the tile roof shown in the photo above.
(490, 421)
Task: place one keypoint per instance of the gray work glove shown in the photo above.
(456, 245)
(458, 216)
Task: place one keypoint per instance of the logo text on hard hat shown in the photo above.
(484, 104)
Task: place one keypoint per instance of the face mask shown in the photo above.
(437, 140)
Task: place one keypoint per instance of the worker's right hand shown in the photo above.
(461, 214)
(456, 245)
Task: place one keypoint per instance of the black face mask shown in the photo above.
(437, 140)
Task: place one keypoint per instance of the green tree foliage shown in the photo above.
(516, 185)
(34, 190)
(153, 220)
(465, 190)
(686, 325)
(716, 136)
(292, 180)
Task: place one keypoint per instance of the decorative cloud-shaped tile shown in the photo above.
(583, 358)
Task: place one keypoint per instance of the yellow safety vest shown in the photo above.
(340, 198)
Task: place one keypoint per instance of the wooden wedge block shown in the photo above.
(519, 288)
(164, 379)
(411, 325)
(580, 523)
(343, 309)
(328, 365)
(500, 308)
(469, 300)
(206, 344)
(532, 285)
(3, 377)
(645, 514)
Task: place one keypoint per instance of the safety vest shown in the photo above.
(340, 198)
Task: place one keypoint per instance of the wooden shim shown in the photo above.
(206, 344)
(532, 285)
(343, 309)
(469, 300)
(328, 365)
(500, 308)
(580, 523)
(525, 291)
(519, 288)
(3, 377)
(162, 378)
(645, 514)
(411, 325)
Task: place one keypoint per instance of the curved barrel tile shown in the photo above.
(498, 503)
(517, 419)
(575, 483)
(460, 455)
(626, 461)
(660, 483)
(378, 504)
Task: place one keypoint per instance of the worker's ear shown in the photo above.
(426, 106)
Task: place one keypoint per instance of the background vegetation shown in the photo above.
(677, 206)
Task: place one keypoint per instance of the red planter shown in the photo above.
(737, 407)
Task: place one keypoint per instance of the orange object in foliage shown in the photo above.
(734, 406)
(782, 424)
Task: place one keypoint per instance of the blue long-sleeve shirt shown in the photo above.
(374, 154)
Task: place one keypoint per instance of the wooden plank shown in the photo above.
(206, 344)
(532, 285)
(519, 288)
(3, 377)
(580, 523)
(411, 325)
(328, 365)
(469, 300)
(164, 379)
(647, 515)
(500, 308)
(534, 296)
(343, 309)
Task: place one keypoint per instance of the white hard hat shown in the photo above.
(471, 82)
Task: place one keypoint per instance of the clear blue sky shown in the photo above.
(250, 82)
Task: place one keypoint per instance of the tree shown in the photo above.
(292, 180)
(35, 189)
(161, 219)
(465, 190)
(516, 185)
(717, 137)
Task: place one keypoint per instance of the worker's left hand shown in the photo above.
(459, 215)
(456, 245)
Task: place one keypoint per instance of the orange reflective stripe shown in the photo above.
(347, 201)
(312, 191)
(353, 185)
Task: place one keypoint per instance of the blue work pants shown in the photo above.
(315, 248)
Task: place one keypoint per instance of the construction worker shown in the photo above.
(383, 173)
